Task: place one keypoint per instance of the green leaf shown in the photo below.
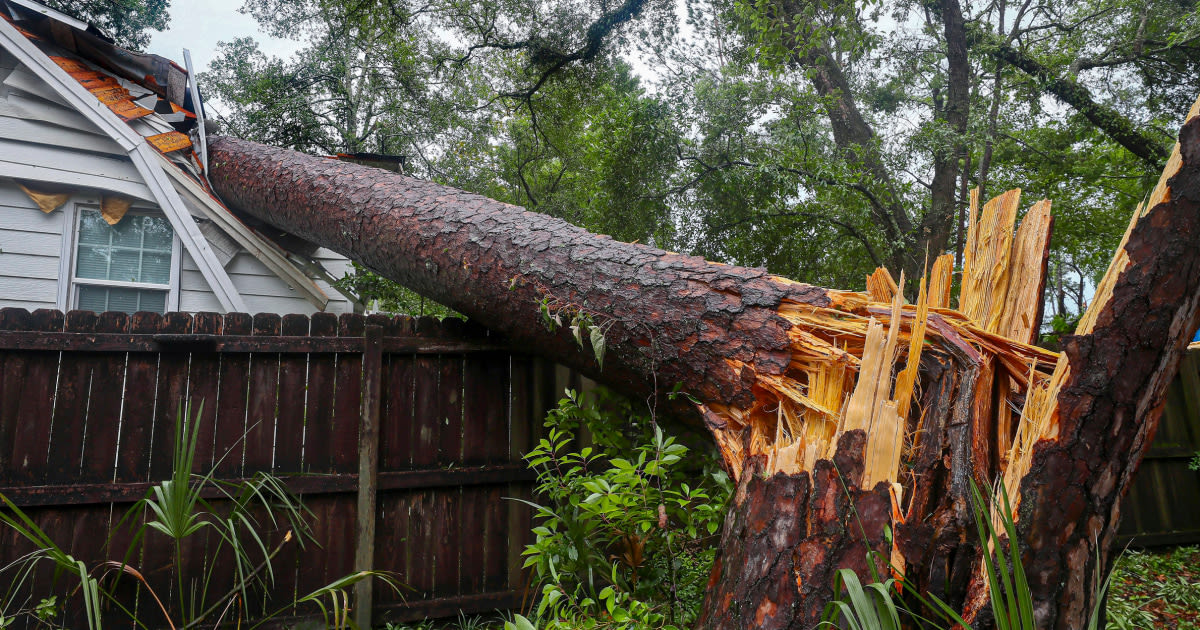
(598, 342)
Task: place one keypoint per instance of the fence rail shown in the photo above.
(419, 422)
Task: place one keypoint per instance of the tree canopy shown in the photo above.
(128, 22)
(815, 138)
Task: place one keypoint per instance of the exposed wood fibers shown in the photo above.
(1039, 416)
(843, 376)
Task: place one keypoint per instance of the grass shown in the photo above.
(1159, 589)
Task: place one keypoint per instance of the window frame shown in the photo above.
(67, 292)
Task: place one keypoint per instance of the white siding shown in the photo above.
(44, 139)
(30, 243)
(262, 290)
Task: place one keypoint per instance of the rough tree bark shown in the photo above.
(795, 381)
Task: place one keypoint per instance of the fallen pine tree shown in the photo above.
(852, 421)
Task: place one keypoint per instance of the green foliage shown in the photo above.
(581, 321)
(1060, 326)
(716, 140)
(172, 512)
(1012, 601)
(621, 541)
(879, 605)
(381, 294)
(126, 21)
(872, 607)
(1158, 589)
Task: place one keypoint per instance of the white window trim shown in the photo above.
(70, 250)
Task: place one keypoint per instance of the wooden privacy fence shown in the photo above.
(422, 423)
(1161, 508)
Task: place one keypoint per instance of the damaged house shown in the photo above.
(104, 199)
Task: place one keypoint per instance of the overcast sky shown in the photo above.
(199, 24)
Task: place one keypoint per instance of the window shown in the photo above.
(124, 267)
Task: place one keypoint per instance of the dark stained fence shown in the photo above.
(87, 416)
(1163, 504)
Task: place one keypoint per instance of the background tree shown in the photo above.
(127, 21)
(816, 139)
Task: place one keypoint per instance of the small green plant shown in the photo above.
(173, 511)
(870, 607)
(580, 320)
(876, 606)
(1156, 589)
(621, 541)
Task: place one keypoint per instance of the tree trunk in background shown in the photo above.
(747, 345)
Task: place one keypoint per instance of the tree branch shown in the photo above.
(1069, 91)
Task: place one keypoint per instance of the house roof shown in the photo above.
(145, 104)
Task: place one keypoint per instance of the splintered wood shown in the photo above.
(1039, 417)
(857, 364)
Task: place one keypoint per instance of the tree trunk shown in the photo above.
(507, 269)
(938, 224)
(795, 382)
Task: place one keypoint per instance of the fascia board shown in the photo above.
(260, 248)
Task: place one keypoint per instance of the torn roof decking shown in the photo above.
(121, 119)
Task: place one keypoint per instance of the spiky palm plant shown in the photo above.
(177, 509)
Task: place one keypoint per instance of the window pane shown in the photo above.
(92, 228)
(158, 231)
(156, 267)
(128, 231)
(126, 265)
(140, 252)
(153, 301)
(92, 299)
(123, 300)
(93, 262)
(100, 299)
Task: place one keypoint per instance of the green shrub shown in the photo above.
(625, 530)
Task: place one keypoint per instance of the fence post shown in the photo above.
(368, 471)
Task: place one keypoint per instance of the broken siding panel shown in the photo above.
(21, 78)
(61, 165)
(18, 104)
(30, 247)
